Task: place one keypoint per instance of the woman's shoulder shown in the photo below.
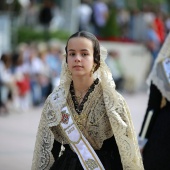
(56, 95)
(56, 99)
(52, 106)
(121, 105)
(120, 98)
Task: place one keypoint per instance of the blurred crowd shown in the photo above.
(95, 15)
(28, 75)
(105, 19)
(148, 26)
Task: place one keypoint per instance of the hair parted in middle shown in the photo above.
(96, 46)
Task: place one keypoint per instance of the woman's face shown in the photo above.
(80, 56)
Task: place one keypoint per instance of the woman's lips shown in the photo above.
(77, 67)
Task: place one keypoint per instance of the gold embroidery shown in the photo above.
(70, 130)
(91, 164)
(65, 117)
(92, 121)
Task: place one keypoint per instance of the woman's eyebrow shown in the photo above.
(84, 50)
(71, 50)
(80, 50)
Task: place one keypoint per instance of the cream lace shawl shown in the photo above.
(157, 75)
(116, 110)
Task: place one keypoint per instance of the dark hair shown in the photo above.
(96, 46)
(6, 59)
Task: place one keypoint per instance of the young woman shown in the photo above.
(156, 124)
(85, 122)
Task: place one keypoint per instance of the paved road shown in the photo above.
(18, 131)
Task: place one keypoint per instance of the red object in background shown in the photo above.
(116, 39)
(160, 29)
(23, 85)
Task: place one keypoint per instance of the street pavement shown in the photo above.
(18, 131)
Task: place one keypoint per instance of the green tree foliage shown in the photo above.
(154, 1)
(111, 29)
(31, 35)
(140, 3)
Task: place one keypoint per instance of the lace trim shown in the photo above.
(42, 158)
(157, 76)
(160, 80)
(79, 107)
(93, 120)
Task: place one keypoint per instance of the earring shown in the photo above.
(92, 71)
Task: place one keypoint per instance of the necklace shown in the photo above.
(79, 106)
(80, 96)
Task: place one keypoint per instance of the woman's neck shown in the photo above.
(82, 83)
(81, 87)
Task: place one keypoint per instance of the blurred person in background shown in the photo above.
(152, 41)
(8, 85)
(54, 60)
(167, 23)
(148, 14)
(57, 21)
(113, 62)
(22, 78)
(100, 14)
(85, 14)
(154, 137)
(137, 31)
(44, 77)
(5, 80)
(160, 26)
(123, 19)
(45, 16)
(86, 123)
(29, 14)
(34, 64)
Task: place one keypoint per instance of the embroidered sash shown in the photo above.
(81, 146)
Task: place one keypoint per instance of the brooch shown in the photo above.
(65, 117)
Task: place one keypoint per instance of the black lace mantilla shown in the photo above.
(79, 107)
